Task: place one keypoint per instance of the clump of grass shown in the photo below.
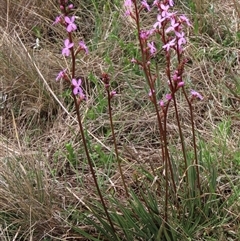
(26, 201)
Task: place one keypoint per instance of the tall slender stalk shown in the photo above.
(90, 163)
(77, 104)
(145, 57)
(106, 81)
(194, 141)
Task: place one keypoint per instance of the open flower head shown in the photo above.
(77, 86)
(61, 74)
(71, 26)
(146, 5)
(195, 94)
(113, 93)
(66, 49)
(152, 48)
(128, 6)
(170, 44)
(77, 90)
(158, 24)
(83, 46)
(58, 19)
(184, 19)
(168, 97)
(173, 25)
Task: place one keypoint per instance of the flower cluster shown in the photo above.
(69, 23)
(169, 26)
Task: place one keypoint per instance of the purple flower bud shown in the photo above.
(180, 84)
(113, 93)
(161, 103)
(134, 61)
(151, 93)
(168, 97)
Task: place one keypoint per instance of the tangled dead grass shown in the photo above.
(38, 186)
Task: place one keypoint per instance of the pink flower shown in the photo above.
(180, 38)
(113, 93)
(158, 24)
(71, 25)
(145, 5)
(61, 74)
(68, 46)
(184, 19)
(77, 90)
(169, 44)
(128, 3)
(175, 76)
(196, 94)
(165, 14)
(134, 61)
(151, 92)
(57, 20)
(173, 26)
(152, 48)
(144, 34)
(180, 84)
(161, 103)
(168, 97)
(83, 46)
(128, 6)
(164, 10)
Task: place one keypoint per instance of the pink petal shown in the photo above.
(74, 82)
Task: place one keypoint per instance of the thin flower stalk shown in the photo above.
(142, 37)
(110, 95)
(78, 95)
(194, 141)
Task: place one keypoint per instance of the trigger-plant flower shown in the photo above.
(77, 89)
(58, 19)
(145, 5)
(170, 44)
(68, 46)
(82, 46)
(61, 74)
(195, 94)
(128, 6)
(71, 26)
(152, 48)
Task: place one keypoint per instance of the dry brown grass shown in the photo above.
(38, 186)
